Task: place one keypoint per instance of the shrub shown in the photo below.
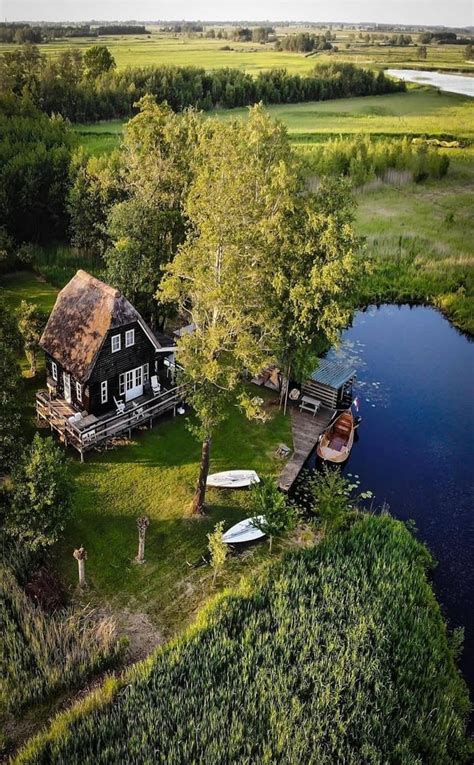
(41, 495)
(365, 158)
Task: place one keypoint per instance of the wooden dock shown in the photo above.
(306, 430)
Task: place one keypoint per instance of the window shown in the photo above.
(145, 373)
(129, 338)
(122, 385)
(54, 370)
(103, 391)
(115, 343)
(79, 392)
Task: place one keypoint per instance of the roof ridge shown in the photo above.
(112, 291)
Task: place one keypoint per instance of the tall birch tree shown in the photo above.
(256, 238)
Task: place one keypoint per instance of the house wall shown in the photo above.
(109, 366)
(81, 406)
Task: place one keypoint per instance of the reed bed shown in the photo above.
(42, 653)
(341, 656)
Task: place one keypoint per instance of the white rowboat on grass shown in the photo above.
(232, 479)
(244, 531)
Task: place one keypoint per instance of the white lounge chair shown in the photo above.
(120, 406)
(155, 384)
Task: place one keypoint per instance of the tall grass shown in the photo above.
(409, 269)
(42, 653)
(342, 656)
(58, 263)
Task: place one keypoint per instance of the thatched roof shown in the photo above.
(85, 310)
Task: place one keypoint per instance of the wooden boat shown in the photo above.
(336, 442)
(244, 531)
(232, 479)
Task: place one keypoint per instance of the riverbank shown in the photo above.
(418, 243)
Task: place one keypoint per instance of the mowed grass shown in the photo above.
(183, 50)
(419, 111)
(155, 475)
(25, 285)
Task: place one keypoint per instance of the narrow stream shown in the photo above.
(416, 441)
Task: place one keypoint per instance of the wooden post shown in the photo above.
(142, 524)
(81, 556)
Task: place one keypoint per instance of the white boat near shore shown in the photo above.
(244, 531)
(232, 479)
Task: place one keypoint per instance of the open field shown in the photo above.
(181, 50)
(419, 111)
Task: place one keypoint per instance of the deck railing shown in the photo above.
(108, 427)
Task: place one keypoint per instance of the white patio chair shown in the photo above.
(155, 384)
(120, 406)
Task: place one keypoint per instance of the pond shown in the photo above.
(450, 83)
(415, 449)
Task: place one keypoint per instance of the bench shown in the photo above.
(309, 404)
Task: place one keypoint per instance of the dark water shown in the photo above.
(416, 441)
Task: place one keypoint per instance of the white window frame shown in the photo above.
(54, 370)
(146, 373)
(116, 343)
(122, 384)
(104, 392)
(79, 392)
(129, 338)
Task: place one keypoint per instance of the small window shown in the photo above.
(79, 392)
(103, 391)
(54, 370)
(122, 385)
(115, 343)
(129, 338)
(145, 373)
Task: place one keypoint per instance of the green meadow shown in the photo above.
(186, 50)
(420, 111)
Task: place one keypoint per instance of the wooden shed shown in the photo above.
(331, 383)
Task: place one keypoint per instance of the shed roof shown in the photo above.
(85, 310)
(333, 374)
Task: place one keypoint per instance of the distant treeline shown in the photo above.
(26, 33)
(65, 85)
(304, 42)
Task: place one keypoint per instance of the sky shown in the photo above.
(430, 12)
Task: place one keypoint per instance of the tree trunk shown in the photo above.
(82, 573)
(141, 548)
(200, 493)
(270, 544)
(287, 390)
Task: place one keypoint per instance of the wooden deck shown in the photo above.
(306, 430)
(92, 431)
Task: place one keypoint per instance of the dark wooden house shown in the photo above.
(103, 363)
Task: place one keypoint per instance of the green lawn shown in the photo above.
(155, 475)
(26, 286)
